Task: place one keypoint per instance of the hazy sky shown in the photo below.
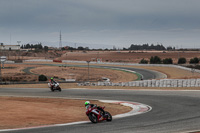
(110, 22)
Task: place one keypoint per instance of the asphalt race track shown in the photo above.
(172, 111)
(147, 74)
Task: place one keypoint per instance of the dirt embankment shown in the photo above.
(18, 112)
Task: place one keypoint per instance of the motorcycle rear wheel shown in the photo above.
(109, 116)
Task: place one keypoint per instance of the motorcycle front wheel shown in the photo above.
(59, 88)
(93, 118)
(52, 89)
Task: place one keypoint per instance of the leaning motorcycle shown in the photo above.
(54, 86)
(96, 115)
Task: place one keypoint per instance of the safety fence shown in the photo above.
(150, 83)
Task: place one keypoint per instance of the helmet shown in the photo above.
(51, 78)
(87, 102)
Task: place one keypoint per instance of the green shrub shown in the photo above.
(155, 60)
(42, 78)
(181, 60)
(168, 61)
(143, 61)
(194, 61)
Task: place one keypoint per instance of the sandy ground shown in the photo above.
(81, 74)
(15, 72)
(16, 112)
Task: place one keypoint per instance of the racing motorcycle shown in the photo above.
(96, 115)
(54, 86)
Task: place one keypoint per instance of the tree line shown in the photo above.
(132, 47)
(158, 60)
(34, 46)
(149, 47)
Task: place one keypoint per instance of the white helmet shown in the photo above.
(87, 102)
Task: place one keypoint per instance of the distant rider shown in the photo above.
(87, 105)
(53, 82)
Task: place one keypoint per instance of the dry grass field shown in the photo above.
(81, 74)
(15, 72)
(106, 56)
(16, 112)
(128, 56)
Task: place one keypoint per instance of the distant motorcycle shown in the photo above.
(54, 86)
(96, 115)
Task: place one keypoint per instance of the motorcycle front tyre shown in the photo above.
(52, 89)
(59, 88)
(93, 118)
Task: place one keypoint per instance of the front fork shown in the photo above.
(98, 113)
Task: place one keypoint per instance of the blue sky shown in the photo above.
(101, 23)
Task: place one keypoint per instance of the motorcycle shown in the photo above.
(96, 115)
(54, 86)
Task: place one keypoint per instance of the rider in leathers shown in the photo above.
(53, 81)
(87, 105)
